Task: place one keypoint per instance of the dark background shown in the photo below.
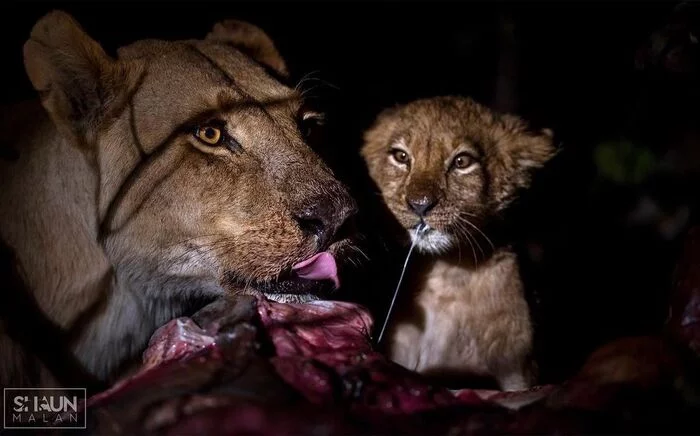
(617, 82)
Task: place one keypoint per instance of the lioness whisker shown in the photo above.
(306, 93)
(359, 250)
(306, 77)
(309, 77)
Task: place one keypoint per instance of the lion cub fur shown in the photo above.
(456, 165)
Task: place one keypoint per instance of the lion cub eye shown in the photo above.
(462, 161)
(400, 156)
(209, 135)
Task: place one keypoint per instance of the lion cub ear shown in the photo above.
(77, 81)
(252, 41)
(536, 150)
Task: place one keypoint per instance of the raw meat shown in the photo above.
(255, 367)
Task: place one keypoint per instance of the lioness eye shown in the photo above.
(208, 134)
(462, 161)
(399, 155)
(310, 121)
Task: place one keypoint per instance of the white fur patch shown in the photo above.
(432, 241)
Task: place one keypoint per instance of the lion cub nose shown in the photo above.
(421, 204)
(322, 216)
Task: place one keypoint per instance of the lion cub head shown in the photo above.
(450, 163)
(203, 176)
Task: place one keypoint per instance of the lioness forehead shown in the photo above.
(218, 58)
(186, 79)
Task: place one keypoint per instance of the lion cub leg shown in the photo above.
(513, 381)
(516, 378)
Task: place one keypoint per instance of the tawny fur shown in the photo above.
(118, 216)
(462, 312)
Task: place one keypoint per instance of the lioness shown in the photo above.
(175, 172)
(453, 165)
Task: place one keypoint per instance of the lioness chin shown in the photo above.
(175, 172)
(452, 165)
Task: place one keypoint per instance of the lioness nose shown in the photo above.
(421, 204)
(324, 215)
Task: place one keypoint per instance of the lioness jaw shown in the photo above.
(175, 170)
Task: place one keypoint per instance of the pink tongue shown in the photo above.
(320, 266)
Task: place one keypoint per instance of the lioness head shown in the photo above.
(450, 163)
(205, 181)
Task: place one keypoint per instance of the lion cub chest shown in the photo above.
(466, 321)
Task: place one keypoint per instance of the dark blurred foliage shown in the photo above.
(617, 82)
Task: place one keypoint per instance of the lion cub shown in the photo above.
(454, 165)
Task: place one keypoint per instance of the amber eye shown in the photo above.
(399, 156)
(208, 134)
(462, 161)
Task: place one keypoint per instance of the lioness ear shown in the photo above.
(75, 78)
(252, 41)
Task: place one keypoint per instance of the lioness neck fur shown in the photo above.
(176, 171)
(455, 165)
